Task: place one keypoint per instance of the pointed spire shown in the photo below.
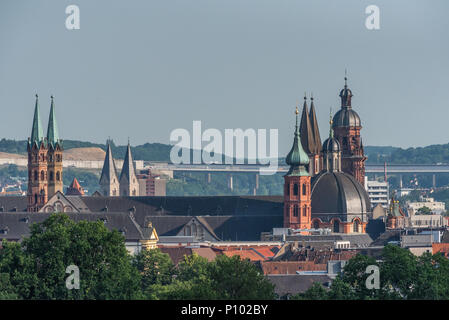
(314, 128)
(128, 171)
(109, 171)
(297, 158)
(331, 129)
(52, 131)
(305, 129)
(37, 134)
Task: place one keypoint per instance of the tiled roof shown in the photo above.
(207, 253)
(293, 284)
(441, 247)
(244, 254)
(177, 253)
(17, 224)
(290, 267)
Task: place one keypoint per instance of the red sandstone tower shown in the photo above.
(347, 126)
(297, 191)
(37, 165)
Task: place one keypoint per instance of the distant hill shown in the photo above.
(91, 153)
(161, 152)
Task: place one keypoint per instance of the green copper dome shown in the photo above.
(297, 158)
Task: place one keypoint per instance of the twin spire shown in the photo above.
(310, 133)
(37, 133)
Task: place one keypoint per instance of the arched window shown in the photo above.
(50, 158)
(295, 211)
(35, 198)
(58, 176)
(304, 189)
(134, 192)
(51, 176)
(304, 211)
(316, 224)
(336, 226)
(295, 189)
(42, 175)
(114, 192)
(355, 225)
(35, 175)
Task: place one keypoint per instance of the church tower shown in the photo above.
(37, 194)
(109, 182)
(347, 126)
(297, 190)
(129, 185)
(54, 156)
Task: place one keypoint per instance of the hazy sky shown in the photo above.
(140, 69)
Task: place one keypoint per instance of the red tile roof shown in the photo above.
(290, 267)
(441, 247)
(244, 254)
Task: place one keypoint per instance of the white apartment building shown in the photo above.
(435, 206)
(378, 192)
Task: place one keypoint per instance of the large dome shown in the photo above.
(338, 193)
(346, 117)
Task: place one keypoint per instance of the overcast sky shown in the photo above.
(140, 69)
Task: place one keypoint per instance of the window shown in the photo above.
(42, 175)
(336, 226)
(288, 189)
(316, 224)
(58, 176)
(51, 176)
(304, 189)
(355, 226)
(35, 175)
(304, 211)
(295, 211)
(295, 189)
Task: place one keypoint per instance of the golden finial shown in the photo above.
(297, 111)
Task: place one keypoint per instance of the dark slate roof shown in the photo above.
(338, 192)
(293, 284)
(13, 203)
(17, 224)
(305, 129)
(226, 228)
(387, 236)
(188, 206)
(315, 129)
